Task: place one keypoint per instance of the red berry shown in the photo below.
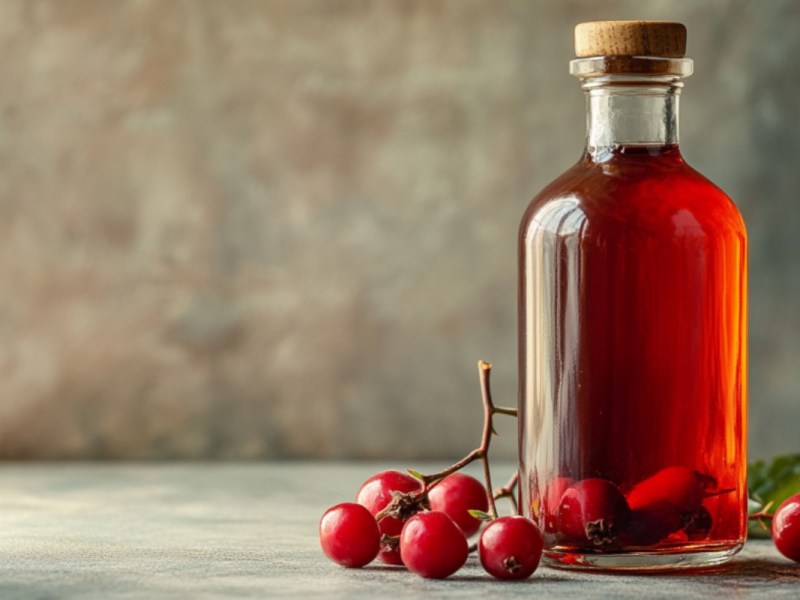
(551, 500)
(669, 501)
(432, 545)
(680, 486)
(510, 548)
(697, 525)
(786, 528)
(349, 535)
(375, 494)
(651, 524)
(593, 511)
(455, 496)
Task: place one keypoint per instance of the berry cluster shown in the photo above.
(424, 521)
(594, 513)
(396, 518)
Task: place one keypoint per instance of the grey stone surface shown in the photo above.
(250, 531)
(286, 228)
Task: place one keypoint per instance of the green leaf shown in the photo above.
(480, 515)
(769, 484)
(774, 481)
(416, 475)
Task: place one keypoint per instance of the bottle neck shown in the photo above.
(623, 111)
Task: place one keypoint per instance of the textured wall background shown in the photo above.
(287, 228)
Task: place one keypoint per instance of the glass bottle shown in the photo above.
(632, 329)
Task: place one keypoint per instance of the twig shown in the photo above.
(507, 491)
(763, 513)
(485, 369)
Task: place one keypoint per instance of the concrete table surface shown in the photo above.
(249, 530)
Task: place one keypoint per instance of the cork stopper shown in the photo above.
(630, 38)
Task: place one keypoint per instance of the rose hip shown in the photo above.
(349, 535)
(697, 525)
(668, 501)
(375, 494)
(651, 524)
(786, 528)
(510, 548)
(551, 501)
(457, 494)
(677, 485)
(432, 545)
(593, 511)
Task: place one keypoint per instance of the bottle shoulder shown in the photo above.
(655, 195)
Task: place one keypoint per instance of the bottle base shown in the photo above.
(709, 557)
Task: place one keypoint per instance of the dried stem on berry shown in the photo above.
(404, 505)
(390, 543)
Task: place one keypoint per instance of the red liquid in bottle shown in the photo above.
(633, 342)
